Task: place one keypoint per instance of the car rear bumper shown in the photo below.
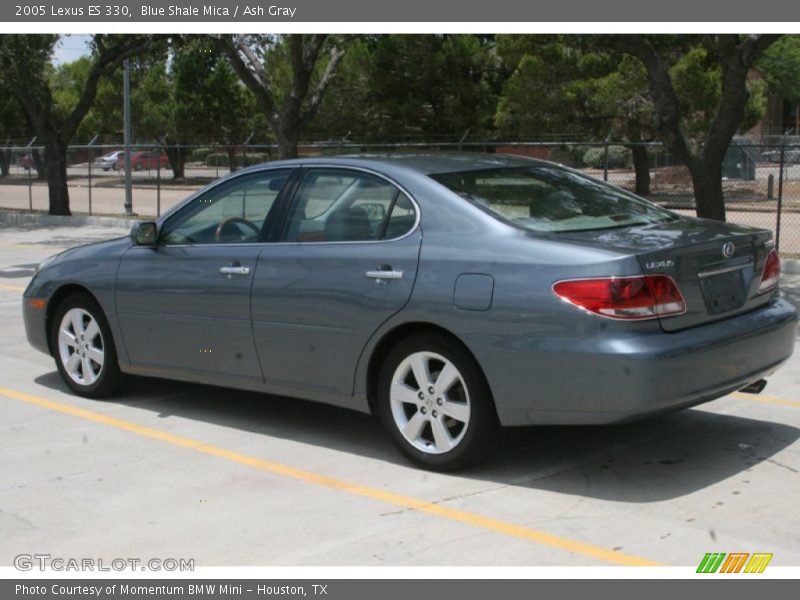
(615, 378)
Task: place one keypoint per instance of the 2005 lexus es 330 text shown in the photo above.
(448, 293)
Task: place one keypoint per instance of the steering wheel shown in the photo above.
(231, 221)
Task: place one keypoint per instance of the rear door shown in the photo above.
(345, 262)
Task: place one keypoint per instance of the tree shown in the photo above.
(412, 86)
(288, 77)
(182, 92)
(25, 73)
(12, 127)
(780, 65)
(568, 86)
(210, 103)
(728, 59)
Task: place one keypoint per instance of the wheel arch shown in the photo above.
(394, 336)
(61, 294)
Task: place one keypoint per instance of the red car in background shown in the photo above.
(144, 160)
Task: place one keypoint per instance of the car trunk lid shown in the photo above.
(717, 266)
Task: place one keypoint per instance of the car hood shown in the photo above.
(103, 249)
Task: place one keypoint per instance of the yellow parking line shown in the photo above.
(11, 288)
(766, 399)
(451, 514)
(38, 247)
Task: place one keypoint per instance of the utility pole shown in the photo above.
(127, 126)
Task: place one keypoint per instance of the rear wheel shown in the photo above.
(436, 404)
(84, 350)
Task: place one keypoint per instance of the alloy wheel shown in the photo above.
(80, 346)
(430, 402)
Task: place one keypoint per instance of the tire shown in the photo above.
(138, 166)
(83, 348)
(451, 428)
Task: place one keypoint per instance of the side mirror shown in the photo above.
(144, 234)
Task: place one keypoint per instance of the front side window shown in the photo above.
(552, 199)
(337, 205)
(233, 212)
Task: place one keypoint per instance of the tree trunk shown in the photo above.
(5, 163)
(41, 164)
(707, 183)
(287, 142)
(232, 159)
(55, 156)
(287, 149)
(177, 160)
(641, 164)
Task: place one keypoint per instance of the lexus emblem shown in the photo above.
(728, 249)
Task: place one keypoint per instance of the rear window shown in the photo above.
(552, 199)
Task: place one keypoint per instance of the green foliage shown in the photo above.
(697, 79)
(13, 124)
(412, 87)
(570, 155)
(209, 102)
(565, 86)
(619, 157)
(568, 85)
(698, 84)
(780, 65)
(200, 154)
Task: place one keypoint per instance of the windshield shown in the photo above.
(552, 199)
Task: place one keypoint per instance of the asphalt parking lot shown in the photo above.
(231, 478)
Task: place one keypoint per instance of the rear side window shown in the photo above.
(552, 199)
(338, 205)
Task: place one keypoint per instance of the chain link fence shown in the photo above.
(761, 181)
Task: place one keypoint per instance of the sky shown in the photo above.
(71, 47)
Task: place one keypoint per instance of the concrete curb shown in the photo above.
(11, 217)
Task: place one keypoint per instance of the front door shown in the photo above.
(184, 303)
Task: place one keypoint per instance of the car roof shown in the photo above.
(427, 163)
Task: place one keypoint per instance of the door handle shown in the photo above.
(384, 274)
(231, 270)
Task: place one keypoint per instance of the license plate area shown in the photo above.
(723, 292)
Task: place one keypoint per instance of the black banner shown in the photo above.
(371, 589)
(514, 11)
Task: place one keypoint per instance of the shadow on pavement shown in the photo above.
(650, 461)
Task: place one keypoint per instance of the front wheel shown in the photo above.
(436, 404)
(84, 350)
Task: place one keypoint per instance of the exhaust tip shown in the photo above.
(755, 388)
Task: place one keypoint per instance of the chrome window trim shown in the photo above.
(213, 185)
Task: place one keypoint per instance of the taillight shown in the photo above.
(630, 298)
(771, 274)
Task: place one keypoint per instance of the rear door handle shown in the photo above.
(385, 274)
(232, 270)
